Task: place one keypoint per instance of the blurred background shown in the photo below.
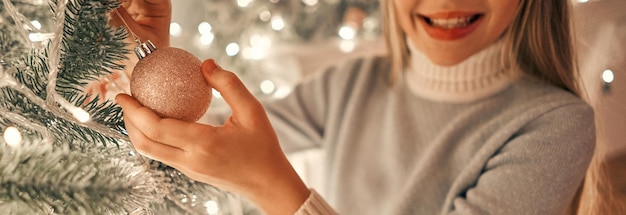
(601, 43)
(272, 44)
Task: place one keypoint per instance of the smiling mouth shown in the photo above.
(451, 23)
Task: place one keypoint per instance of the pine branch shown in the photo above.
(13, 44)
(91, 49)
(69, 167)
(102, 184)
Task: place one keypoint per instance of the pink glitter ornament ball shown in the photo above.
(170, 82)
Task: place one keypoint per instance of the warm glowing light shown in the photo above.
(216, 93)
(282, 91)
(347, 32)
(175, 29)
(232, 49)
(278, 23)
(211, 207)
(310, 2)
(265, 15)
(254, 53)
(36, 24)
(608, 76)
(206, 39)
(260, 41)
(244, 3)
(369, 23)
(347, 46)
(205, 28)
(36, 37)
(582, 1)
(80, 114)
(268, 86)
(40, 37)
(12, 136)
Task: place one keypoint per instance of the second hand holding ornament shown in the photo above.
(170, 81)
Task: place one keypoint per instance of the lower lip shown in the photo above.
(449, 34)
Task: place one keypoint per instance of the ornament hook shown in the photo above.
(144, 49)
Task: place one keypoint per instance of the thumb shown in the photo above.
(242, 103)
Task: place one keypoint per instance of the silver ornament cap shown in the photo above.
(144, 49)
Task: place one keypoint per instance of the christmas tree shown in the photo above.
(63, 153)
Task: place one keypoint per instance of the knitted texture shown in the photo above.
(315, 205)
(519, 148)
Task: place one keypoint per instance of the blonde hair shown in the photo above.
(539, 41)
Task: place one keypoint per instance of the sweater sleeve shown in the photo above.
(538, 171)
(299, 118)
(308, 115)
(315, 205)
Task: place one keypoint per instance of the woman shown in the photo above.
(476, 110)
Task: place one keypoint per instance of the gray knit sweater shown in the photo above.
(521, 148)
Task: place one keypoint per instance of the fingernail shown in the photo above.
(209, 66)
(117, 98)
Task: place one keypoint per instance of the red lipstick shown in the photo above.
(450, 25)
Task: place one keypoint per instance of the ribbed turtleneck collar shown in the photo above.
(479, 76)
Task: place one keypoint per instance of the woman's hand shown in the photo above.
(148, 19)
(242, 156)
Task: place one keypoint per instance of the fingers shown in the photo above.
(171, 132)
(121, 18)
(154, 150)
(148, 20)
(243, 104)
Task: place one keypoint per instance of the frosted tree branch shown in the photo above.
(19, 19)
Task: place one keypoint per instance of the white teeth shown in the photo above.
(458, 22)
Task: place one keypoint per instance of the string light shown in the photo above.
(80, 114)
(232, 49)
(36, 24)
(206, 39)
(347, 32)
(205, 28)
(265, 15)
(347, 46)
(35, 37)
(12, 136)
(216, 94)
(278, 23)
(260, 41)
(175, 29)
(310, 2)
(244, 3)
(282, 91)
(211, 207)
(267, 87)
(254, 53)
(608, 77)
